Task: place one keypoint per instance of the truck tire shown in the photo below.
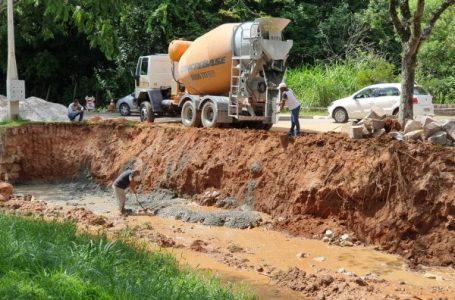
(147, 114)
(191, 117)
(209, 115)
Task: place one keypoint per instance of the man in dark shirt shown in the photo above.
(128, 178)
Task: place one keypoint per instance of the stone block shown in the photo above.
(449, 127)
(378, 112)
(425, 120)
(356, 132)
(412, 125)
(439, 138)
(413, 135)
(430, 129)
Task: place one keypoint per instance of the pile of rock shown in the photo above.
(428, 129)
(370, 126)
(36, 109)
(345, 240)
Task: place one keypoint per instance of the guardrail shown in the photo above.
(444, 109)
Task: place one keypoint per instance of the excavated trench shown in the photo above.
(398, 196)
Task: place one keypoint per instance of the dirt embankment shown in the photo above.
(400, 196)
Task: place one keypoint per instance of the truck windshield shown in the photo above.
(144, 66)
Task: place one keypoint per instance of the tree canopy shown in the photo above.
(68, 48)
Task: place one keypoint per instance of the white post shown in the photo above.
(15, 88)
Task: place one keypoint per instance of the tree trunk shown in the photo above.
(408, 66)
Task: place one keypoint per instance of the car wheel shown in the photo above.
(340, 115)
(124, 109)
(147, 114)
(191, 117)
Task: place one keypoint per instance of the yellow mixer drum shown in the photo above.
(177, 48)
(205, 67)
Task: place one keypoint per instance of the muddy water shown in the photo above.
(261, 246)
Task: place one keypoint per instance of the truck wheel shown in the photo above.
(147, 114)
(209, 115)
(190, 116)
(267, 127)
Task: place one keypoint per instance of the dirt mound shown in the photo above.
(397, 195)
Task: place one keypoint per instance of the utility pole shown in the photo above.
(15, 88)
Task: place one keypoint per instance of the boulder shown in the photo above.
(425, 120)
(378, 112)
(430, 129)
(373, 124)
(344, 237)
(329, 233)
(449, 127)
(413, 135)
(6, 190)
(439, 138)
(412, 125)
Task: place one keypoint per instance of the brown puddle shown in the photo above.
(260, 247)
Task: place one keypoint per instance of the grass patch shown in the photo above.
(318, 85)
(14, 123)
(47, 260)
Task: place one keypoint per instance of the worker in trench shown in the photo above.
(289, 100)
(127, 179)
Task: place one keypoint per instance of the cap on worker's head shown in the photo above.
(282, 85)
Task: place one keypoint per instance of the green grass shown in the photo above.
(317, 86)
(48, 260)
(14, 123)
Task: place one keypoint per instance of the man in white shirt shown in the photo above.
(74, 110)
(289, 100)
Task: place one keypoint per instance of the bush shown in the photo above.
(442, 89)
(318, 85)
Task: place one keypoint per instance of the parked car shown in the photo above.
(385, 95)
(127, 105)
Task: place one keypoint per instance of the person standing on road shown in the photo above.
(289, 100)
(128, 178)
(74, 110)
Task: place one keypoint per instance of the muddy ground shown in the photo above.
(398, 197)
(275, 265)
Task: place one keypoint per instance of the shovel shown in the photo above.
(140, 204)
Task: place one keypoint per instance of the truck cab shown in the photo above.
(155, 87)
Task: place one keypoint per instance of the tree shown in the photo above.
(412, 36)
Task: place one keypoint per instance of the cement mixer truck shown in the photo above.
(230, 75)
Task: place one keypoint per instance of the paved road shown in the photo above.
(316, 124)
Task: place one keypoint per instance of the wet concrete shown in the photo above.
(163, 203)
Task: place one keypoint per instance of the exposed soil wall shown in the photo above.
(398, 195)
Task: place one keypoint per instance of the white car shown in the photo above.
(127, 105)
(384, 95)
